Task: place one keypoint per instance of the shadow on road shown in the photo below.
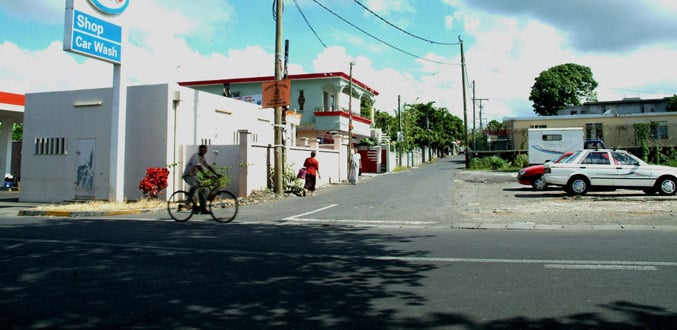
(165, 275)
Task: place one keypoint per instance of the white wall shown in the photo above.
(200, 116)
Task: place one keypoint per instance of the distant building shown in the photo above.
(622, 107)
(321, 99)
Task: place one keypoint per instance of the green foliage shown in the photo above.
(491, 162)
(18, 132)
(521, 160)
(562, 86)
(209, 179)
(643, 134)
(672, 104)
(495, 125)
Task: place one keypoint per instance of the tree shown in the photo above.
(494, 125)
(562, 86)
(672, 104)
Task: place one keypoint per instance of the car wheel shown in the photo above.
(578, 186)
(539, 183)
(666, 185)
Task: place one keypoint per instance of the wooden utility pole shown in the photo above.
(465, 106)
(279, 166)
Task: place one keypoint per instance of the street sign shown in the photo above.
(91, 36)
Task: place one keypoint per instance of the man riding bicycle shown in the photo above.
(197, 164)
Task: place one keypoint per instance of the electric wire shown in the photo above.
(404, 31)
(308, 23)
(380, 40)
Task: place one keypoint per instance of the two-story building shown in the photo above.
(322, 100)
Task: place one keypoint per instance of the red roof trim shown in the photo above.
(11, 98)
(342, 114)
(304, 76)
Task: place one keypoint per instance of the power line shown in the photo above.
(380, 40)
(404, 31)
(308, 23)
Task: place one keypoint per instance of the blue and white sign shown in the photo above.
(110, 7)
(94, 37)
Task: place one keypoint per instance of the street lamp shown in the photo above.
(350, 117)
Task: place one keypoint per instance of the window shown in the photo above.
(598, 158)
(551, 137)
(659, 130)
(594, 131)
(538, 126)
(50, 146)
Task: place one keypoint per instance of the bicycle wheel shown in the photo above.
(224, 206)
(179, 206)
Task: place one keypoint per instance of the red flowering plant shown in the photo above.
(154, 182)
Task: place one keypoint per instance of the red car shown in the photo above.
(533, 175)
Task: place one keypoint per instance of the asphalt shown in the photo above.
(11, 207)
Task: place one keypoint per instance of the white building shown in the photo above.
(67, 138)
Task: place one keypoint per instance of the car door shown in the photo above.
(596, 165)
(630, 173)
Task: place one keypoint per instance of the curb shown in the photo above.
(75, 214)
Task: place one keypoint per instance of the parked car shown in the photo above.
(533, 175)
(607, 169)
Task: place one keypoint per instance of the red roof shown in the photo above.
(269, 78)
(11, 98)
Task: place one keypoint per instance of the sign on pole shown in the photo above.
(91, 36)
(276, 93)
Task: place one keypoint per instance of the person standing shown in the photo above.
(197, 163)
(355, 166)
(312, 166)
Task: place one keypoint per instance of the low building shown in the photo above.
(11, 112)
(617, 130)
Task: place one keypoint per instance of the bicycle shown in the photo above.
(221, 204)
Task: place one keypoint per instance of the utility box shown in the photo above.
(546, 144)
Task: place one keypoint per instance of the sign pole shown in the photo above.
(118, 132)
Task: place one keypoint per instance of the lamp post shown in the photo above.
(350, 117)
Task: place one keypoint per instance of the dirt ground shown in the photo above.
(497, 195)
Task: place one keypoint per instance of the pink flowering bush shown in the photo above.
(154, 182)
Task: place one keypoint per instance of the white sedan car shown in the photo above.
(607, 169)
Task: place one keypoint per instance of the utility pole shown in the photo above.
(465, 105)
(474, 99)
(350, 120)
(474, 143)
(279, 166)
(400, 136)
(481, 111)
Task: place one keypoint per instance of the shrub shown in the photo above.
(154, 182)
(522, 160)
(492, 162)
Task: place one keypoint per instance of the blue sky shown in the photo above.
(629, 45)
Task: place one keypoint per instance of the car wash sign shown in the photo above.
(92, 36)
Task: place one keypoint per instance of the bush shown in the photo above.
(522, 160)
(154, 182)
(492, 162)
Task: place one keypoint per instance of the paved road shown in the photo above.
(383, 254)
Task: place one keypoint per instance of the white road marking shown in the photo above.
(300, 218)
(547, 263)
(295, 217)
